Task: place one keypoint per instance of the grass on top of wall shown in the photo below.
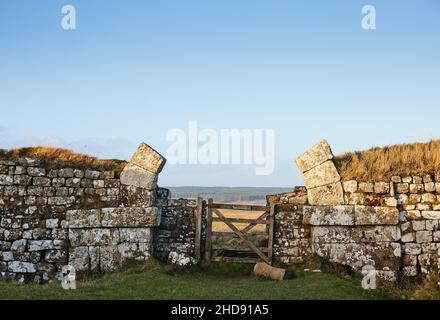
(380, 164)
(62, 158)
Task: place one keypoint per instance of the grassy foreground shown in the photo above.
(163, 283)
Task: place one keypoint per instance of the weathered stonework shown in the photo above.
(399, 218)
(321, 177)
(314, 156)
(137, 177)
(86, 218)
(174, 239)
(148, 159)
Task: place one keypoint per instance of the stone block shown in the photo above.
(423, 236)
(93, 237)
(83, 218)
(402, 188)
(135, 235)
(40, 245)
(423, 207)
(408, 179)
(131, 217)
(66, 173)
(409, 260)
(354, 198)
(409, 237)
(331, 234)
(419, 225)
(328, 215)
(432, 225)
(6, 180)
(366, 215)
(133, 175)
(430, 187)
(19, 245)
(36, 172)
(365, 234)
(313, 157)
(413, 214)
(391, 202)
(380, 255)
(413, 248)
(148, 159)
(396, 179)
(382, 187)
(350, 186)
(429, 198)
(321, 175)
(22, 267)
(366, 187)
(110, 258)
(55, 256)
(79, 258)
(331, 194)
(410, 271)
(433, 215)
(416, 188)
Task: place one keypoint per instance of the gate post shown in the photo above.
(198, 233)
(271, 230)
(208, 245)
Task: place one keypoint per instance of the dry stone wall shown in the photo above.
(291, 236)
(175, 238)
(417, 199)
(92, 220)
(391, 225)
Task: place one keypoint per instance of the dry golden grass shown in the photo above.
(57, 158)
(429, 289)
(379, 164)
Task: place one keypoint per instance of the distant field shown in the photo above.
(222, 227)
(227, 194)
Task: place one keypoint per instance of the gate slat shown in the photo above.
(239, 207)
(240, 220)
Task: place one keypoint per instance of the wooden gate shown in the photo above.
(238, 241)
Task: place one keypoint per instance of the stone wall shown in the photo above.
(391, 225)
(417, 199)
(92, 220)
(174, 240)
(291, 236)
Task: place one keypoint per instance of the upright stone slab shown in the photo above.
(148, 159)
(316, 155)
(143, 169)
(321, 177)
(135, 176)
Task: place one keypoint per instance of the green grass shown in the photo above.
(161, 283)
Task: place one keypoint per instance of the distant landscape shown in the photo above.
(227, 194)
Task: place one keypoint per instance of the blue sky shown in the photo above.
(135, 69)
